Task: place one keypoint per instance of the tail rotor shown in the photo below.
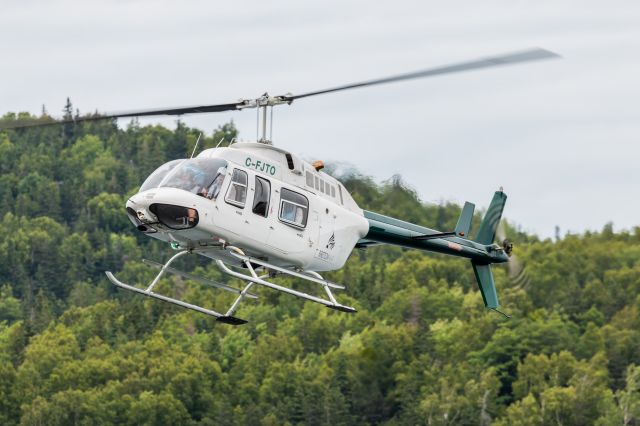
(517, 271)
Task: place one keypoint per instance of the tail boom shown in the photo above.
(482, 252)
(388, 230)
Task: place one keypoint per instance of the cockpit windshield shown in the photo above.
(156, 177)
(201, 176)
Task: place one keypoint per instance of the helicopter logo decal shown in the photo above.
(332, 242)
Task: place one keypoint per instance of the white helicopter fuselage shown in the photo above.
(259, 207)
(264, 200)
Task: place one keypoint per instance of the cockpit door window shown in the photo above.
(237, 192)
(261, 197)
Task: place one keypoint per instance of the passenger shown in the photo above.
(191, 216)
(289, 213)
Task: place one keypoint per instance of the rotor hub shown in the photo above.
(507, 246)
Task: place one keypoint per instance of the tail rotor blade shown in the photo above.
(518, 272)
(501, 233)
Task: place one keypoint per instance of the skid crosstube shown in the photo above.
(196, 278)
(250, 280)
(308, 277)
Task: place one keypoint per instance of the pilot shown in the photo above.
(191, 178)
(186, 181)
(215, 187)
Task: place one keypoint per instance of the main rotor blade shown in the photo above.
(136, 113)
(176, 111)
(494, 61)
(508, 59)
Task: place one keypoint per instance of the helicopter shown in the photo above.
(259, 211)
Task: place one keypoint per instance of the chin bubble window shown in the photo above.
(175, 217)
(294, 208)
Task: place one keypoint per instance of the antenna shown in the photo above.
(196, 147)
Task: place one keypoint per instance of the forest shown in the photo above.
(421, 350)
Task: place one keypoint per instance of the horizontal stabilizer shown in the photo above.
(434, 236)
(464, 222)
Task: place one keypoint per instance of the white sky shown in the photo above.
(561, 136)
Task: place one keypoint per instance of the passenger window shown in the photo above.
(321, 185)
(309, 180)
(294, 208)
(333, 191)
(317, 183)
(261, 197)
(237, 193)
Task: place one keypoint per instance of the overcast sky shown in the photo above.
(560, 136)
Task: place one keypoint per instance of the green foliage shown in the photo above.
(421, 349)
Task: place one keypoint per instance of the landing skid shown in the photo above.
(251, 279)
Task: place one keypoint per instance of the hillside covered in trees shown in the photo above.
(421, 349)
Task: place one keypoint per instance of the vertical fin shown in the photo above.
(489, 224)
(464, 222)
(487, 285)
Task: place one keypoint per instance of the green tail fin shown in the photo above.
(489, 224)
(464, 222)
(486, 284)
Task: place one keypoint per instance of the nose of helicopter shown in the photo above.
(138, 213)
(147, 211)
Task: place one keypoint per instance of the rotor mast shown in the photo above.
(263, 102)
